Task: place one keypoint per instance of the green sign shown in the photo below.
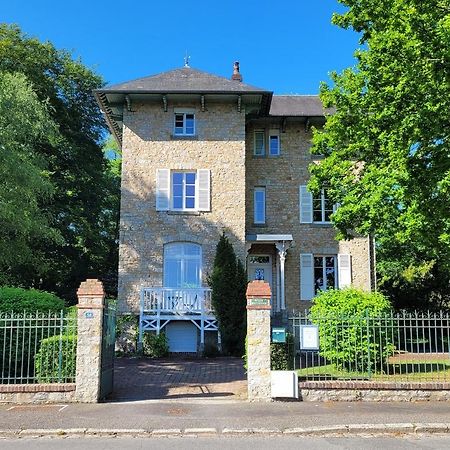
(259, 301)
(279, 335)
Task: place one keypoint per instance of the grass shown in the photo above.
(406, 371)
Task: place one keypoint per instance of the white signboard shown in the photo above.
(309, 337)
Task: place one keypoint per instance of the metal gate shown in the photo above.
(108, 347)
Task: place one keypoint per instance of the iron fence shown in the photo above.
(393, 347)
(37, 347)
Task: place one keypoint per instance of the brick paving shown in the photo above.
(179, 378)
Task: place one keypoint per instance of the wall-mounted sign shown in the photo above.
(258, 301)
(309, 337)
(279, 335)
(89, 315)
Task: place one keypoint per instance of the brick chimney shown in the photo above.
(236, 75)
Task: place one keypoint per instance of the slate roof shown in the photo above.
(183, 80)
(297, 106)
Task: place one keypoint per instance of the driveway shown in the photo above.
(179, 378)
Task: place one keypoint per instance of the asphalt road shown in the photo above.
(244, 443)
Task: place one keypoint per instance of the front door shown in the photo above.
(260, 268)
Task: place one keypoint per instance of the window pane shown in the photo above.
(190, 202)
(191, 249)
(177, 178)
(259, 143)
(190, 190)
(331, 278)
(191, 274)
(274, 145)
(329, 261)
(259, 196)
(178, 202)
(317, 215)
(318, 279)
(177, 190)
(189, 123)
(172, 273)
(190, 178)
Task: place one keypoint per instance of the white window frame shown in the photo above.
(184, 113)
(257, 190)
(324, 268)
(183, 258)
(184, 208)
(274, 133)
(322, 207)
(263, 150)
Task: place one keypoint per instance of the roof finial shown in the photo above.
(236, 75)
(186, 59)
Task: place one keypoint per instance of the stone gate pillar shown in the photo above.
(258, 341)
(91, 299)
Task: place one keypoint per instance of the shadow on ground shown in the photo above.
(158, 379)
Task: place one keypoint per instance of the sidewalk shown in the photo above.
(222, 416)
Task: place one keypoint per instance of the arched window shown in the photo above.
(182, 265)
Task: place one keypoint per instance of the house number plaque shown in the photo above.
(258, 301)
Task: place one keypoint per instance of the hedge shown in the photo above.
(346, 339)
(14, 299)
(56, 359)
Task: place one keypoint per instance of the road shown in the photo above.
(244, 443)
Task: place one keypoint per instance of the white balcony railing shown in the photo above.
(156, 300)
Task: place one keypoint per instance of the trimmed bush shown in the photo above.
(155, 346)
(282, 354)
(56, 359)
(351, 336)
(14, 299)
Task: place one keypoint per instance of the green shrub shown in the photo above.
(14, 299)
(155, 346)
(282, 354)
(56, 359)
(352, 334)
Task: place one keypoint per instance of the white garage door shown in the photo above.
(182, 336)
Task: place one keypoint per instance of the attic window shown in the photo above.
(184, 124)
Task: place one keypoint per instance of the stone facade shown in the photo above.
(282, 176)
(148, 145)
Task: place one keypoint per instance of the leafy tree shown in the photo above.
(24, 122)
(84, 193)
(386, 149)
(229, 282)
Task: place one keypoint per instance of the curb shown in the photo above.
(350, 429)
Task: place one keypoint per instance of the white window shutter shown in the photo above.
(306, 276)
(204, 189)
(306, 205)
(345, 270)
(162, 189)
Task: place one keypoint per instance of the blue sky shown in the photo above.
(285, 46)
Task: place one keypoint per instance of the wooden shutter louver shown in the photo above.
(306, 205)
(306, 276)
(204, 189)
(345, 270)
(162, 189)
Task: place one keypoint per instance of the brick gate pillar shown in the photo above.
(258, 341)
(91, 300)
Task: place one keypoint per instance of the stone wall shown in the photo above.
(282, 175)
(148, 145)
(38, 393)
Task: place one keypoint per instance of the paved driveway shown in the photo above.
(178, 378)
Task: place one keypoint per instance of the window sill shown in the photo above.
(183, 213)
(322, 224)
(259, 225)
(184, 137)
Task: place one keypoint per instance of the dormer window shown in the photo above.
(184, 123)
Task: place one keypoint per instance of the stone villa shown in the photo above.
(203, 155)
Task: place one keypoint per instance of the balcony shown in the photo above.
(177, 301)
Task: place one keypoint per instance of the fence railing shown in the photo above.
(393, 347)
(37, 347)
